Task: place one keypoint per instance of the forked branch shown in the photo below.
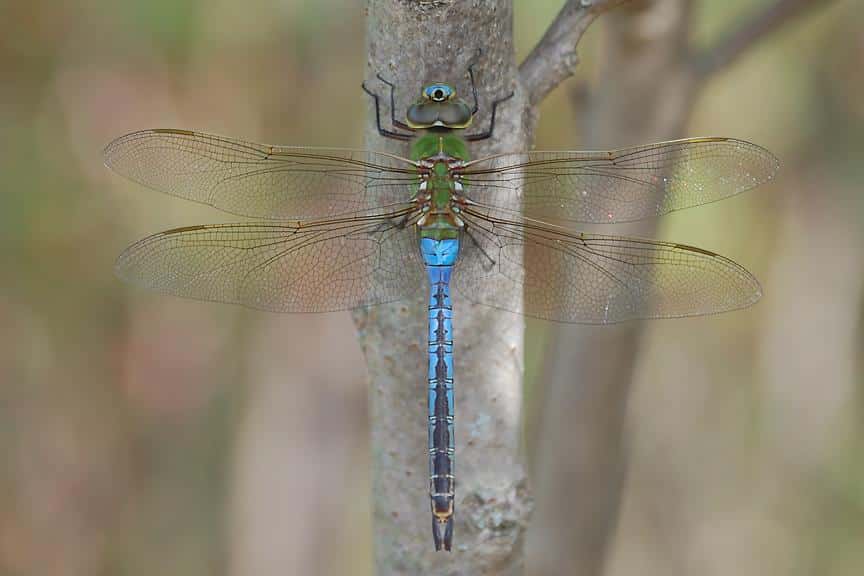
(554, 58)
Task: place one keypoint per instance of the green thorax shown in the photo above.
(443, 145)
(431, 143)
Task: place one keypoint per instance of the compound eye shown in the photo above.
(439, 92)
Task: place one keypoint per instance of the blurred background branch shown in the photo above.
(754, 28)
(645, 91)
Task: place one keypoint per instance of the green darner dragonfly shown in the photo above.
(337, 229)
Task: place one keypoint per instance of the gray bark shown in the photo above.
(410, 43)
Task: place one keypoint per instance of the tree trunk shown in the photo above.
(410, 43)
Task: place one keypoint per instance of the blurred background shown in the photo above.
(141, 434)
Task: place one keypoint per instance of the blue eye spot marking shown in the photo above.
(438, 92)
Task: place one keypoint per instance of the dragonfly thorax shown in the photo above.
(440, 159)
(439, 199)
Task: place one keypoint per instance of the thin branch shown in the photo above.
(554, 58)
(743, 37)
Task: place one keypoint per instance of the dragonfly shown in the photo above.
(335, 229)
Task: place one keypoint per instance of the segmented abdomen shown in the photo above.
(439, 257)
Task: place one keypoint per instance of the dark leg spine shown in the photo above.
(381, 130)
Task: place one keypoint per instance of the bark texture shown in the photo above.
(410, 43)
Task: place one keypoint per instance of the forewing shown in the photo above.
(259, 180)
(594, 279)
(619, 185)
(282, 268)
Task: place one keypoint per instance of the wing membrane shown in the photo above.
(259, 180)
(619, 185)
(279, 267)
(593, 279)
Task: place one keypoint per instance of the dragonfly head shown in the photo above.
(439, 107)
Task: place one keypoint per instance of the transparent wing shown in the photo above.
(593, 279)
(258, 180)
(619, 185)
(313, 267)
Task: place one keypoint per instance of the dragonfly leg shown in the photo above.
(406, 220)
(474, 84)
(491, 261)
(393, 119)
(400, 223)
(488, 133)
(381, 130)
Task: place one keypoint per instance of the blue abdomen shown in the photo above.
(440, 256)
